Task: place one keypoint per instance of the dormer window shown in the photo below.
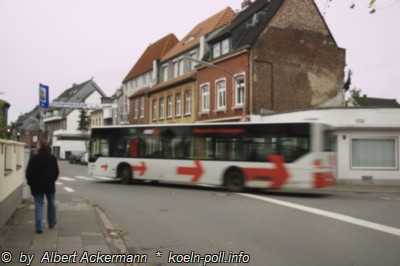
(225, 46)
(165, 72)
(221, 48)
(217, 50)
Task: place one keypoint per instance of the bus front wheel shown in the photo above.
(125, 174)
(234, 180)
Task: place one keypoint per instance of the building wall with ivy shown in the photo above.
(3, 118)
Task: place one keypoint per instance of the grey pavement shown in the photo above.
(79, 229)
(180, 218)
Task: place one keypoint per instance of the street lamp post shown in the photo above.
(205, 63)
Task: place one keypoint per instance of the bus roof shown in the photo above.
(204, 124)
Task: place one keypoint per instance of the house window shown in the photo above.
(205, 97)
(176, 69)
(225, 46)
(169, 106)
(240, 89)
(193, 63)
(142, 107)
(178, 104)
(217, 50)
(161, 108)
(149, 79)
(221, 94)
(136, 114)
(181, 67)
(154, 109)
(165, 72)
(188, 102)
(221, 48)
(374, 153)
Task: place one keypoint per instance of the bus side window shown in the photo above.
(152, 147)
(292, 148)
(204, 148)
(134, 148)
(260, 148)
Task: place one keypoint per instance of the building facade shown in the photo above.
(144, 75)
(367, 141)
(223, 89)
(173, 99)
(62, 124)
(271, 56)
(274, 56)
(29, 127)
(4, 106)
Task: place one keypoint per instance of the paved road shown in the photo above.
(274, 228)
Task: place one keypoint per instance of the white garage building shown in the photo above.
(368, 141)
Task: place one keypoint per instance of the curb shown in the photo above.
(362, 189)
(113, 236)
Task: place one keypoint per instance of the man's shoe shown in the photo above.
(39, 231)
(52, 226)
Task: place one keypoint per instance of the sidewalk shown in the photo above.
(363, 188)
(80, 228)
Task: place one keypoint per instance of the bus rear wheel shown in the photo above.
(125, 174)
(234, 181)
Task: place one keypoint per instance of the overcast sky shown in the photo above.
(62, 42)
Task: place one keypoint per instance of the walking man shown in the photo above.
(41, 174)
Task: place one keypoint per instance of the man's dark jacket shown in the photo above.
(42, 173)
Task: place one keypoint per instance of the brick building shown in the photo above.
(173, 99)
(274, 56)
(144, 75)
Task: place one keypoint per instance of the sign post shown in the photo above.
(43, 96)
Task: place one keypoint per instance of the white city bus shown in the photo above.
(233, 155)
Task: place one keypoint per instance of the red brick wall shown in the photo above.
(295, 69)
(295, 63)
(233, 64)
(132, 105)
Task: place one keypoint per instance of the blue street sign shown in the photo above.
(43, 96)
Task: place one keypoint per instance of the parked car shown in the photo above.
(84, 158)
(75, 157)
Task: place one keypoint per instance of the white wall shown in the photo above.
(338, 117)
(73, 117)
(345, 170)
(73, 120)
(14, 179)
(351, 123)
(94, 98)
(70, 145)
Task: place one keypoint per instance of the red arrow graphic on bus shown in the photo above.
(140, 168)
(277, 175)
(196, 172)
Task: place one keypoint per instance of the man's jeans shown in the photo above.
(51, 210)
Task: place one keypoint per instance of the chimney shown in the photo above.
(246, 4)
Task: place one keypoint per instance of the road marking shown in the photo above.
(68, 189)
(103, 178)
(337, 216)
(84, 178)
(58, 183)
(67, 178)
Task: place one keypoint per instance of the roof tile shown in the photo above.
(153, 52)
(209, 25)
